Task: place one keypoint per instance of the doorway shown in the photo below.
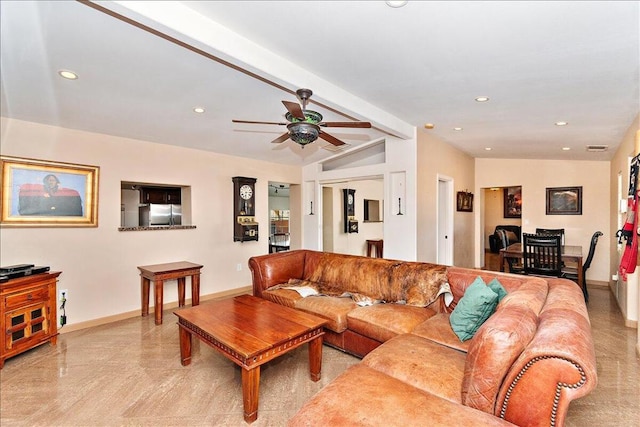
(279, 217)
(364, 220)
(445, 220)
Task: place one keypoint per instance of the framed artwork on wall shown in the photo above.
(513, 202)
(464, 201)
(41, 193)
(564, 201)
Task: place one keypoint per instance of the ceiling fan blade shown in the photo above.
(331, 139)
(281, 138)
(345, 124)
(295, 109)
(258, 123)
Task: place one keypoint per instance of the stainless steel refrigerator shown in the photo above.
(155, 214)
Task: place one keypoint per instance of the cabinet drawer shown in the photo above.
(34, 295)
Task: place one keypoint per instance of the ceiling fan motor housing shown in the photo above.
(310, 117)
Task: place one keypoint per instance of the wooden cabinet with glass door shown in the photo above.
(27, 313)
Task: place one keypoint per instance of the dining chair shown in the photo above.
(541, 254)
(572, 272)
(547, 231)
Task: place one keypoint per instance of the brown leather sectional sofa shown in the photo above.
(524, 365)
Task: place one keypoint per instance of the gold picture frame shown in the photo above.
(42, 193)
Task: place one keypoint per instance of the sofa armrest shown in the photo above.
(273, 269)
(557, 367)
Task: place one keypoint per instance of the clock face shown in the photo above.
(246, 192)
(350, 199)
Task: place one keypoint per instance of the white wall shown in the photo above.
(436, 158)
(399, 231)
(535, 177)
(626, 292)
(99, 264)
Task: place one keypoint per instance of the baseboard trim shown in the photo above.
(598, 283)
(136, 313)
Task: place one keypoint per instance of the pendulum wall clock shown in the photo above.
(245, 226)
(349, 212)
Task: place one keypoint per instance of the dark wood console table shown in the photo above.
(158, 273)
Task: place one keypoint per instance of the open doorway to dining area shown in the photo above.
(502, 221)
(279, 217)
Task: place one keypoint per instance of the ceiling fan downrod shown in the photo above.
(304, 95)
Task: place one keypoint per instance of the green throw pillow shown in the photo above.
(477, 304)
(497, 287)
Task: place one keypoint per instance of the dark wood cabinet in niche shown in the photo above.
(161, 195)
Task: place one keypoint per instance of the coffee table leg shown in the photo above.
(315, 358)
(250, 389)
(185, 346)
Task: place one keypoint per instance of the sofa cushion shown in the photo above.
(334, 309)
(511, 237)
(477, 304)
(286, 297)
(438, 329)
(421, 363)
(532, 294)
(492, 351)
(460, 278)
(384, 321)
(363, 396)
(497, 287)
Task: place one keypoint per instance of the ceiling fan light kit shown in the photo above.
(304, 125)
(303, 133)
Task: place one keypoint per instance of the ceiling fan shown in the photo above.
(304, 126)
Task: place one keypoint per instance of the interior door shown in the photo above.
(445, 221)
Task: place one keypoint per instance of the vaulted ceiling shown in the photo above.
(144, 66)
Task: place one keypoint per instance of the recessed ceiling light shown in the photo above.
(396, 4)
(198, 110)
(487, 148)
(429, 126)
(70, 75)
(482, 98)
(457, 129)
(566, 148)
(562, 123)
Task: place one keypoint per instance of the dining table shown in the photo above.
(570, 254)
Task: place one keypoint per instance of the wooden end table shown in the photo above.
(158, 273)
(251, 331)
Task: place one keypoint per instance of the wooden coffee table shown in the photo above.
(251, 331)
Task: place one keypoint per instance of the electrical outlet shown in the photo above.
(239, 267)
(62, 292)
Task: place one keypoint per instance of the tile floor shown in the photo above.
(128, 373)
